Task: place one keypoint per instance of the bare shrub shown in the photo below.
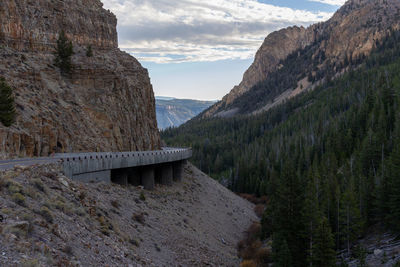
(46, 214)
(248, 263)
(139, 217)
(115, 204)
(259, 210)
(263, 256)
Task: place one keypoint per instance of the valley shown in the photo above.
(298, 165)
(317, 134)
(172, 112)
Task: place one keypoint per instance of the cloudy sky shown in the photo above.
(200, 48)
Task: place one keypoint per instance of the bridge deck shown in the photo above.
(80, 163)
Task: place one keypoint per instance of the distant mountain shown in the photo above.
(297, 59)
(172, 112)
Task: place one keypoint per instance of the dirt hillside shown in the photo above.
(48, 220)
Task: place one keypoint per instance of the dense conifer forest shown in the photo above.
(328, 160)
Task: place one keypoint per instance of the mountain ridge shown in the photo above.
(350, 34)
(172, 112)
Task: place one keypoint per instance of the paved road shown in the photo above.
(11, 163)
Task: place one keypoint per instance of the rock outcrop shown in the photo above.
(351, 32)
(35, 25)
(105, 104)
(276, 47)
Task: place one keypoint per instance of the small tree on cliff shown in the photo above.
(7, 107)
(89, 51)
(64, 52)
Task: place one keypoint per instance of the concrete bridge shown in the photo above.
(137, 168)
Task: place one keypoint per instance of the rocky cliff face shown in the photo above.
(35, 25)
(106, 104)
(351, 32)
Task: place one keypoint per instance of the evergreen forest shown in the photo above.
(328, 160)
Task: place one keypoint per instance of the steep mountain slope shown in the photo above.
(107, 102)
(48, 220)
(172, 112)
(296, 59)
(328, 161)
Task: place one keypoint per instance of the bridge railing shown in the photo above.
(114, 155)
(80, 163)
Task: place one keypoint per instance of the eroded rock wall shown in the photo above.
(35, 25)
(105, 104)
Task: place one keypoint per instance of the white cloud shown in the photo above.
(330, 2)
(166, 31)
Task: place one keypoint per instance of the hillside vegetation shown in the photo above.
(328, 160)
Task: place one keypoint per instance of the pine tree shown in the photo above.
(7, 106)
(394, 181)
(324, 254)
(89, 51)
(350, 217)
(64, 52)
(282, 256)
(311, 215)
(287, 217)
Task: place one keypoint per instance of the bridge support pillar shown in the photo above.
(148, 178)
(167, 174)
(134, 177)
(178, 171)
(119, 177)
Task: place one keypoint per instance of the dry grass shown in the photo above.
(105, 226)
(39, 185)
(19, 199)
(19, 230)
(13, 187)
(30, 263)
(248, 263)
(142, 197)
(46, 214)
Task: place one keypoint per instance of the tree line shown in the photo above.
(328, 160)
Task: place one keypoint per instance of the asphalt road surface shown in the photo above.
(11, 163)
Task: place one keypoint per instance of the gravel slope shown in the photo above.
(193, 223)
